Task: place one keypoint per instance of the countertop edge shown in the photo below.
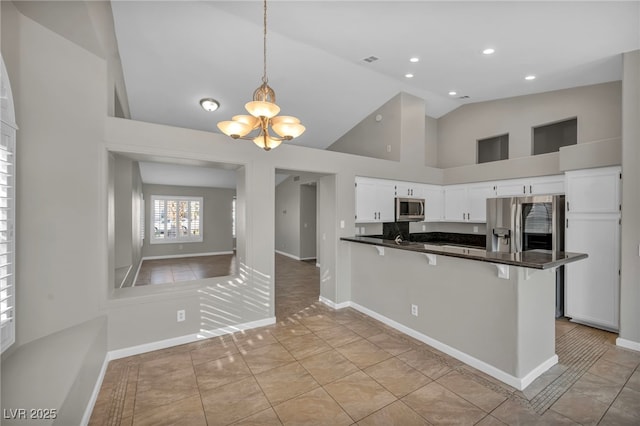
(551, 259)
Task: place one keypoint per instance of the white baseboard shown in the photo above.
(163, 344)
(517, 382)
(181, 340)
(177, 256)
(332, 304)
(292, 256)
(628, 344)
(96, 391)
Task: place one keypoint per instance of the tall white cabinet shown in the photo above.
(592, 286)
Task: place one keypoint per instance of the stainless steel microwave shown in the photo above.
(409, 209)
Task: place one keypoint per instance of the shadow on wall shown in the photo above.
(242, 297)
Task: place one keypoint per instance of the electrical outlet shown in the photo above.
(424, 228)
(180, 246)
(181, 315)
(475, 229)
(414, 310)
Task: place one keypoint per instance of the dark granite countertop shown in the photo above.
(535, 259)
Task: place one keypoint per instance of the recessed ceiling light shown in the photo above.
(414, 59)
(489, 51)
(453, 93)
(530, 77)
(209, 104)
(409, 75)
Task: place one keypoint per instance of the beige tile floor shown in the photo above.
(319, 366)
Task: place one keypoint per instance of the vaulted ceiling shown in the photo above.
(173, 53)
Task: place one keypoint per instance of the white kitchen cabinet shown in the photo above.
(593, 190)
(592, 285)
(374, 200)
(433, 202)
(477, 195)
(455, 203)
(531, 186)
(467, 203)
(408, 189)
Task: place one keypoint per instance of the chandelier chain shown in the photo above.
(264, 73)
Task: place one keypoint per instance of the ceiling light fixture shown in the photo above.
(209, 104)
(488, 51)
(452, 93)
(414, 59)
(409, 75)
(530, 77)
(264, 114)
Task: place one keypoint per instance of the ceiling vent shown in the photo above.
(370, 59)
(464, 97)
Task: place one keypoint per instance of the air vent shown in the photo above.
(296, 178)
(370, 59)
(464, 97)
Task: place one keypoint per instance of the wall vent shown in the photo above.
(296, 178)
(464, 97)
(370, 59)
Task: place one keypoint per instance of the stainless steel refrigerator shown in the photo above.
(536, 222)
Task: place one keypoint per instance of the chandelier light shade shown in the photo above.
(264, 114)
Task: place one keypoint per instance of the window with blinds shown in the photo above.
(175, 219)
(7, 238)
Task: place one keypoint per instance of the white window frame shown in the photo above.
(8, 130)
(177, 238)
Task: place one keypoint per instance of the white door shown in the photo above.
(592, 285)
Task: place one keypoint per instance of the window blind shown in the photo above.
(7, 238)
(176, 219)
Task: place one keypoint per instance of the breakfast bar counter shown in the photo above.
(495, 312)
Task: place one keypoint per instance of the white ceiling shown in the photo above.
(175, 53)
(187, 175)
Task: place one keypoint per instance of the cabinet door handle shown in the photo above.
(524, 189)
(530, 190)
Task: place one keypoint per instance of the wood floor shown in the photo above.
(164, 271)
(319, 366)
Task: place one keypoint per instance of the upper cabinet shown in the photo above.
(594, 190)
(409, 189)
(374, 200)
(433, 202)
(530, 186)
(467, 202)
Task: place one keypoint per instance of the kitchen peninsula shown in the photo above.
(493, 311)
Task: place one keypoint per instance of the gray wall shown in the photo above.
(430, 141)
(127, 205)
(308, 198)
(399, 135)
(216, 223)
(287, 199)
(295, 224)
(597, 107)
(630, 261)
(377, 139)
(61, 251)
(63, 145)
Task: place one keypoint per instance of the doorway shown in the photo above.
(297, 245)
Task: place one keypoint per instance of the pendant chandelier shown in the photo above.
(264, 114)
